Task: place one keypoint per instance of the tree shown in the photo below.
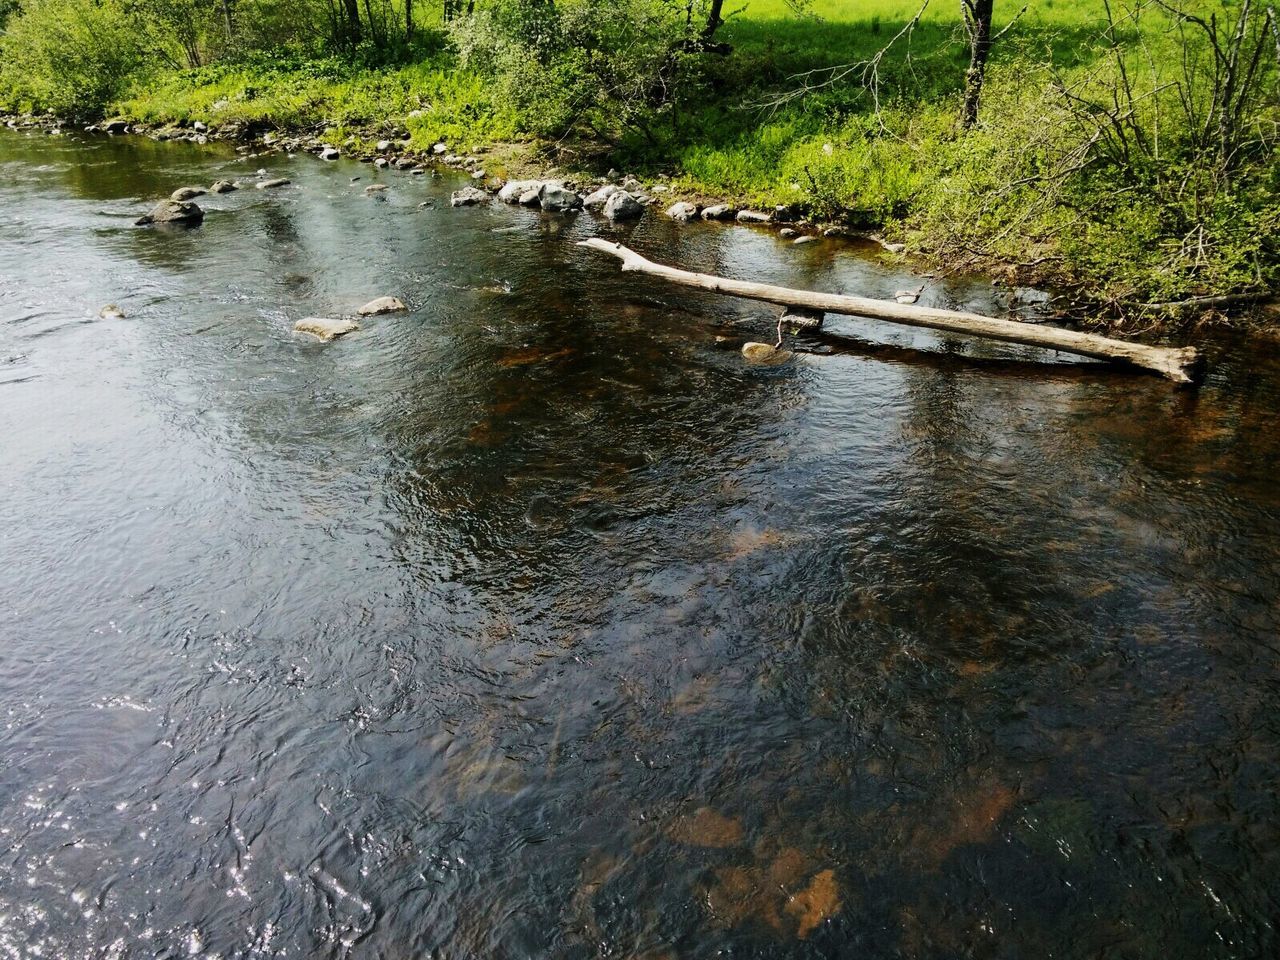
(977, 27)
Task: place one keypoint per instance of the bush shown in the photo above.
(69, 56)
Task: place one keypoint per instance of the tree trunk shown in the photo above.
(1182, 365)
(408, 21)
(977, 27)
(353, 22)
(230, 20)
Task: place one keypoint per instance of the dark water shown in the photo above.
(534, 623)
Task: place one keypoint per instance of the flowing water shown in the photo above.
(534, 622)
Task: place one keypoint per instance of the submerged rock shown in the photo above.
(468, 197)
(223, 186)
(173, 211)
(375, 188)
(111, 312)
(187, 193)
(683, 212)
(276, 182)
(382, 305)
(764, 353)
(623, 206)
(324, 328)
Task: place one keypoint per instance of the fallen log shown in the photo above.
(1180, 364)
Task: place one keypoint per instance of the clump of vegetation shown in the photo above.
(1123, 148)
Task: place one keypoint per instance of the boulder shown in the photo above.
(467, 197)
(513, 190)
(475, 174)
(382, 305)
(600, 197)
(383, 146)
(807, 238)
(382, 162)
(753, 216)
(531, 197)
(623, 206)
(111, 312)
(786, 233)
(116, 126)
(719, 211)
(223, 186)
(328, 152)
(200, 127)
(683, 212)
(271, 184)
(187, 193)
(556, 198)
(406, 163)
(324, 328)
(439, 148)
(173, 211)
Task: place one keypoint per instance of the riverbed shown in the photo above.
(534, 622)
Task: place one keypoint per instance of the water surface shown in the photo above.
(535, 623)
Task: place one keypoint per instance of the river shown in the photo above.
(534, 622)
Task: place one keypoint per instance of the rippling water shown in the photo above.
(534, 623)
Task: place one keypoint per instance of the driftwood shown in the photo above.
(1180, 364)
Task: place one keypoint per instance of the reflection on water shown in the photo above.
(533, 622)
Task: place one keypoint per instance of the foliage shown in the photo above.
(68, 55)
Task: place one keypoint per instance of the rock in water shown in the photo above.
(753, 216)
(720, 211)
(683, 212)
(223, 186)
(513, 190)
(623, 206)
(116, 126)
(187, 193)
(600, 197)
(764, 353)
(467, 197)
(324, 328)
(382, 305)
(328, 152)
(375, 188)
(173, 211)
(803, 318)
(555, 198)
(111, 312)
(806, 238)
(277, 182)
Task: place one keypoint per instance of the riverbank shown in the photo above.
(848, 121)
(394, 145)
